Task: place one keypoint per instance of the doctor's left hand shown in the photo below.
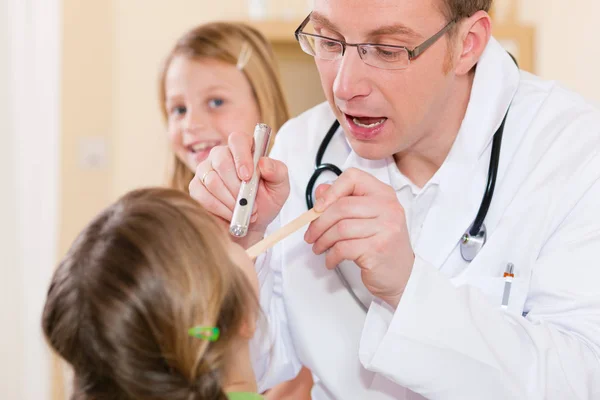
(363, 221)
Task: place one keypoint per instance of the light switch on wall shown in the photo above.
(93, 152)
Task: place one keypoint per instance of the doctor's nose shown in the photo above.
(351, 78)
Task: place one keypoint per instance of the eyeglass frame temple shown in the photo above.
(301, 26)
(417, 51)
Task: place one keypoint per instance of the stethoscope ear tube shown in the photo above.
(313, 180)
(475, 237)
(491, 181)
(320, 168)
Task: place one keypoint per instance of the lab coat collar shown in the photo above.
(494, 86)
(461, 184)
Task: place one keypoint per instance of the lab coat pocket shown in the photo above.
(499, 292)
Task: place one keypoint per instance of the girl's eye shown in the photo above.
(215, 103)
(179, 110)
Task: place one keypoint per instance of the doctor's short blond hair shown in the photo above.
(457, 9)
(240, 45)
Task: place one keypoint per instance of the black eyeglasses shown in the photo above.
(377, 55)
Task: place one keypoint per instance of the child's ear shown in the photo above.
(248, 327)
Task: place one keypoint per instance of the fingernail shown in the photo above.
(244, 174)
(320, 204)
(253, 218)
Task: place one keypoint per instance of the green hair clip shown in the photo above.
(210, 333)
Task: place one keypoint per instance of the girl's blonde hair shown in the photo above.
(236, 44)
(121, 302)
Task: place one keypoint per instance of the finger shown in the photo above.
(215, 185)
(274, 176)
(346, 229)
(196, 183)
(240, 145)
(321, 189)
(349, 250)
(345, 208)
(352, 182)
(208, 201)
(273, 172)
(221, 160)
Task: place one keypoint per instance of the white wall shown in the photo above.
(567, 42)
(29, 155)
(11, 344)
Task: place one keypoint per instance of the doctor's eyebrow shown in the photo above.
(395, 29)
(322, 20)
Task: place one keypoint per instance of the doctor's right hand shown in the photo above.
(219, 177)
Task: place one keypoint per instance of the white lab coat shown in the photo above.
(449, 338)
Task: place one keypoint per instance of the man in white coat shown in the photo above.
(420, 89)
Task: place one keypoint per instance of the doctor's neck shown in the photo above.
(422, 158)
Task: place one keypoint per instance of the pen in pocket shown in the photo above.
(508, 278)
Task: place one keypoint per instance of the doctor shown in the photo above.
(400, 290)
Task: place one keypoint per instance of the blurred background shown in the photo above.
(80, 123)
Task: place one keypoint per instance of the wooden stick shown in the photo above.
(282, 233)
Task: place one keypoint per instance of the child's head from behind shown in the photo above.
(120, 304)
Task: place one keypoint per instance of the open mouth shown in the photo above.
(367, 122)
(365, 127)
(201, 146)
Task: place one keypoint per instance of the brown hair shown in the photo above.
(120, 304)
(458, 9)
(455, 10)
(224, 41)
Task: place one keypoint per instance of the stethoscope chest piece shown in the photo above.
(470, 245)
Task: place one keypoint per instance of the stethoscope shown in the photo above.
(473, 239)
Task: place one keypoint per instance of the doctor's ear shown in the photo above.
(471, 38)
